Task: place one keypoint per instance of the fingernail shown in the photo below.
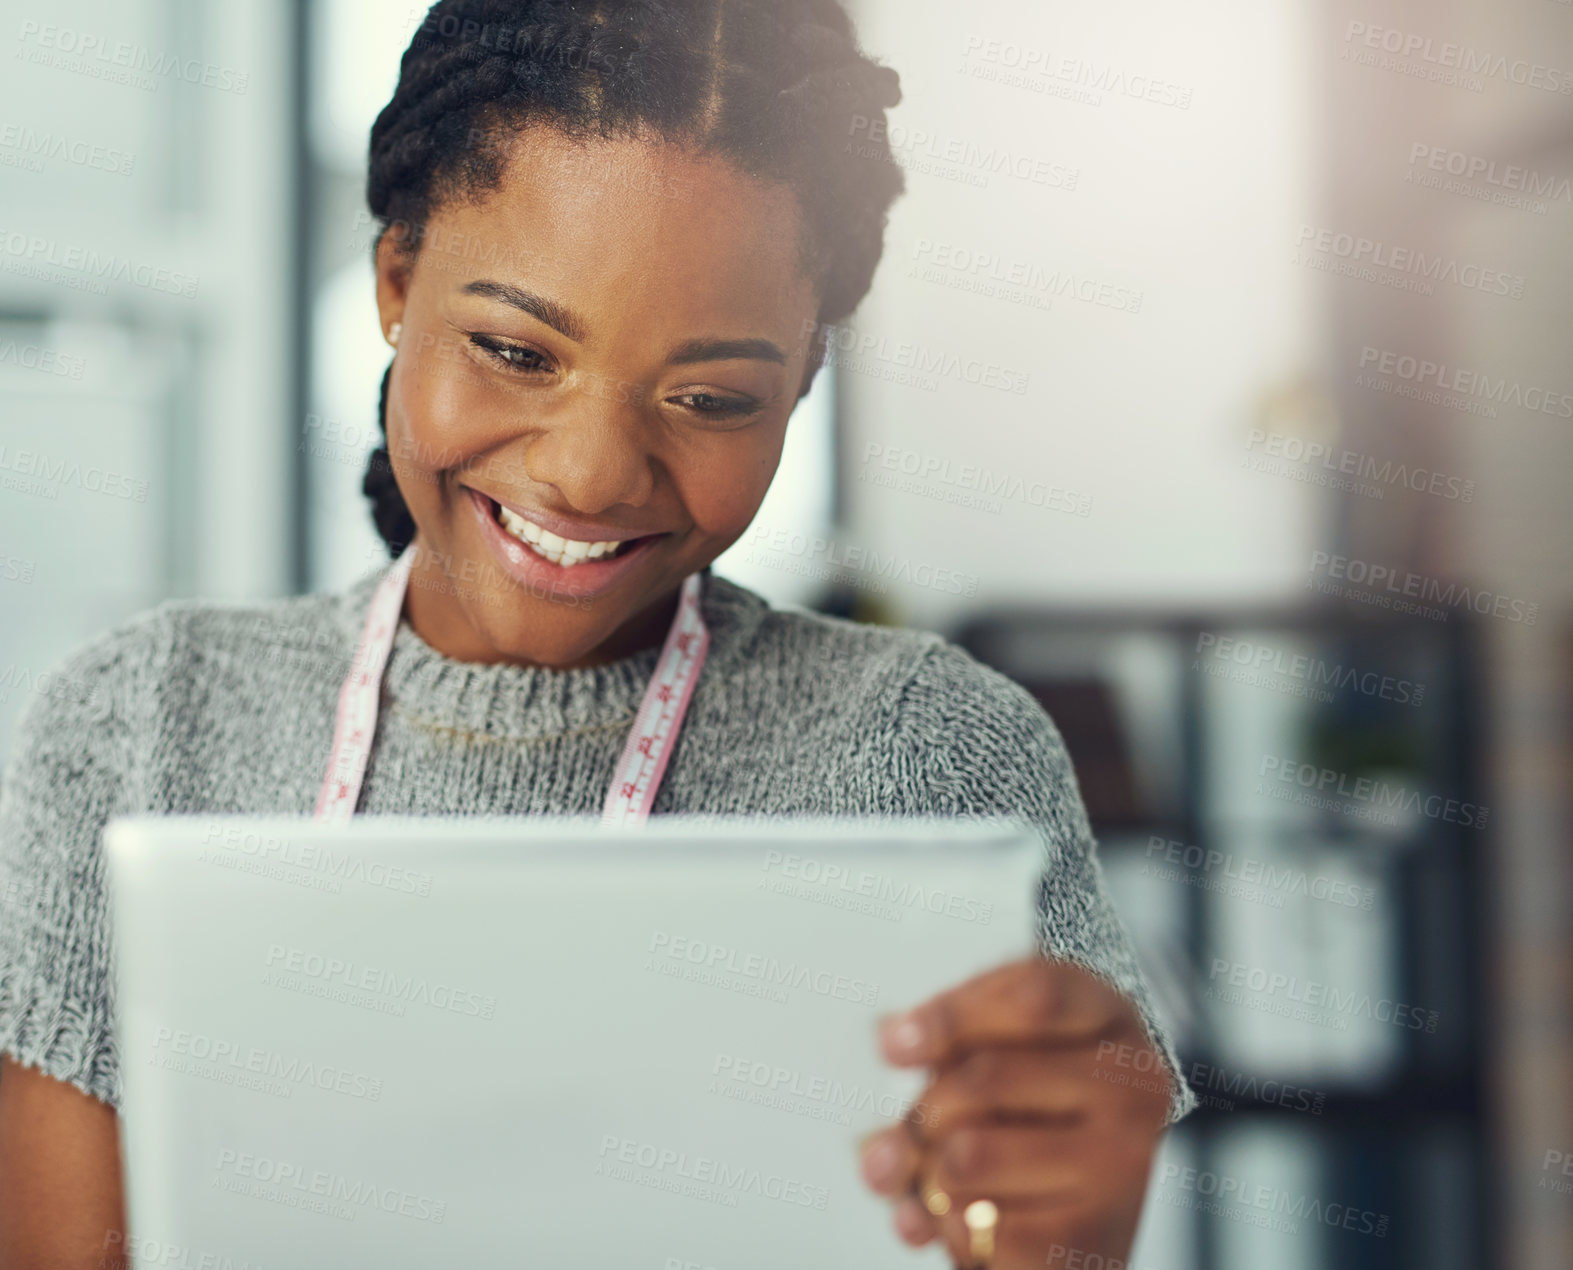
(880, 1160)
(902, 1035)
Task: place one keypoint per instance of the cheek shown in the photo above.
(442, 399)
(724, 495)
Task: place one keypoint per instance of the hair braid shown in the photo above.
(779, 88)
(388, 508)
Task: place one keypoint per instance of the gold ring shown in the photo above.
(981, 1216)
(935, 1200)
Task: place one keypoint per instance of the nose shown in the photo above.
(595, 450)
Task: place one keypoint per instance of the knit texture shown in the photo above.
(203, 707)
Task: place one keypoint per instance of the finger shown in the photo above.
(890, 1160)
(998, 1082)
(914, 1223)
(1054, 1237)
(1031, 1001)
(1042, 1163)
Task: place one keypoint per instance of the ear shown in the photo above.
(393, 265)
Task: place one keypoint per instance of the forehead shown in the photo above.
(635, 221)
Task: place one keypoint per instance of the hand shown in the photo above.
(1046, 1098)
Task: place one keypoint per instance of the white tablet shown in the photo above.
(413, 1042)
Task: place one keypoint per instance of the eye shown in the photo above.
(715, 406)
(509, 356)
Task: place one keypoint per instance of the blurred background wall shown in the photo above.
(1215, 385)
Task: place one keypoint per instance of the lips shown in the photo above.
(525, 565)
(570, 529)
(554, 547)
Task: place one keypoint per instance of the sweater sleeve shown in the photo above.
(980, 744)
(71, 767)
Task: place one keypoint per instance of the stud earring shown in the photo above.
(393, 332)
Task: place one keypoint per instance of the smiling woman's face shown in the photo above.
(608, 346)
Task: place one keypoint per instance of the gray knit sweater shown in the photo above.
(197, 707)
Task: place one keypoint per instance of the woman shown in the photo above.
(613, 237)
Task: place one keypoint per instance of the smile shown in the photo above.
(544, 561)
(563, 552)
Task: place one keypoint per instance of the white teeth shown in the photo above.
(560, 551)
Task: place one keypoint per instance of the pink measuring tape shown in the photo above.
(644, 758)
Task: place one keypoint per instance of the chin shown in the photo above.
(554, 648)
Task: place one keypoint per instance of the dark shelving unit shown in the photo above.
(1371, 1137)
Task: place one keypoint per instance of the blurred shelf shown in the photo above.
(1173, 741)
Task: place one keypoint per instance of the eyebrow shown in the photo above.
(567, 323)
(539, 307)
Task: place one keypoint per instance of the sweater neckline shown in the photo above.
(509, 702)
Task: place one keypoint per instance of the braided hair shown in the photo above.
(779, 88)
